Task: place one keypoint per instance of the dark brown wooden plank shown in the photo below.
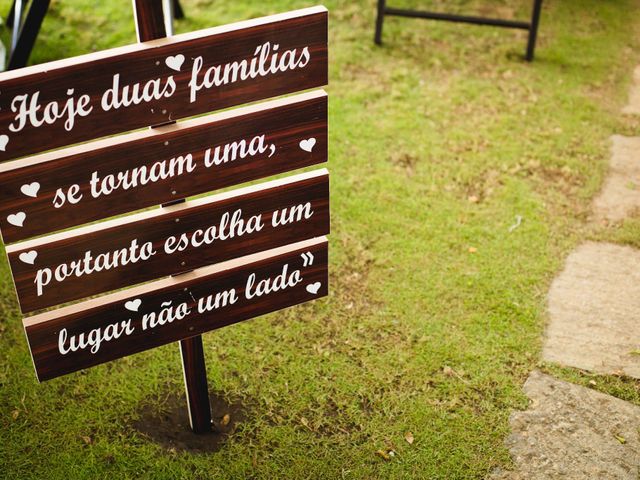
(149, 20)
(125, 251)
(50, 335)
(194, 369)
(260, 140)
(276, 55)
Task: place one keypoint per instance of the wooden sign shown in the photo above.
(170, 273)
(168, 310)
(83, 98)
(126, 251)
(65, 188)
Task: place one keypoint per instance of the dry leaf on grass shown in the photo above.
(383, 454)
(305, 422)
(386, 454)
(409, 438)
(225, 420)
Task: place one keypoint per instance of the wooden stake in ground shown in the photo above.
(150, 25)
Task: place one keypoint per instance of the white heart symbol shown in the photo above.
(314, 287)
(133, 305)
(30, 189)
(17, 219)
(4, 139)
(308, 144)
(28, 257)
(175, 63)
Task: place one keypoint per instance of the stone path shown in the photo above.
(620, 195)
(594, 310)
(572, 432)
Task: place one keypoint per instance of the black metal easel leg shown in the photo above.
(12, 12)
(533, 29)
(178, 13)
(379, 22)
(195, 379)
(28, 34)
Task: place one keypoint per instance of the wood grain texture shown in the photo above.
(304, 198)
(149, 20)
(136, 157)
(44, 332)
(230, 48)
(196, 385)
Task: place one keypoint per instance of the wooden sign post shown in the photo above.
(192, 265)
(150, 25)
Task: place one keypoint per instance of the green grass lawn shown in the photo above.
(439, 140)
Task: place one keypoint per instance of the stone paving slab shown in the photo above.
(633, 107)
(572, 432)
(620, 195)
(594, 311)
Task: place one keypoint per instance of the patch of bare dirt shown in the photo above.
(404, 162)
(166, 422)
